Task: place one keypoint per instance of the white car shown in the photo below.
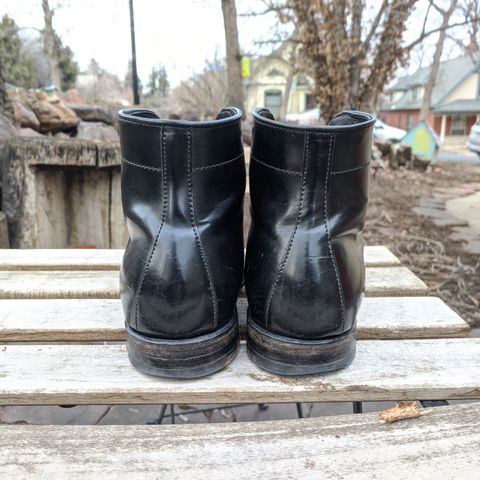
(386, 133)
(473, 140)
(305, 118)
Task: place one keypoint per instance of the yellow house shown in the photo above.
(274, 84)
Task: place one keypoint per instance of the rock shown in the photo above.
(402, 154)
(28, 132)
(97, 131)
(54, 115)
(92, 113)
(24, 117)
(7, 129)
(73, 96)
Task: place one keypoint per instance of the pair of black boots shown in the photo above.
(183, 186)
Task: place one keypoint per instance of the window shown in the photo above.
(458, 125)
(309, 101)
(414, 93)
(273, 101)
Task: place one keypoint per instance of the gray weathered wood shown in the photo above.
(50, 204)
(441, 444)
(110, 259)
(102, 374)
(384, 281)
(77, 320)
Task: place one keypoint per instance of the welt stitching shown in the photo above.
(139, 165)
(194, 227)
(351, 169)
(152, 125)
(331, 147)
(164, 212)
(292, 236)
(220, 164)
(290, 172)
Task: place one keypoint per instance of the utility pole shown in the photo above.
(136, 99)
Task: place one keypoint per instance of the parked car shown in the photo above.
(386, 133)
(473, 140)
(304, 118)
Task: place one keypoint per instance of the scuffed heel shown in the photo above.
(290, 356)
(184, 358)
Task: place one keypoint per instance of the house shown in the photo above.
(273, 84)
(455, 104)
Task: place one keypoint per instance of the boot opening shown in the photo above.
(226, 113)
(347, 118)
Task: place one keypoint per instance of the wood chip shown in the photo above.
(401, 411)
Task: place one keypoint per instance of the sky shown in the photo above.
(180, 34)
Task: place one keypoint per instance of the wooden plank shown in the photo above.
(441, 444)
(393, 281)
(60, 259)
(101, 374)
(380, 281)
(110, 259)
(78, 320)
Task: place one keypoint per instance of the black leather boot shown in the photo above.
(182, 188)
(305, 274)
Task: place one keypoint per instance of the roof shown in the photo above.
(450, 74)
(460, 106)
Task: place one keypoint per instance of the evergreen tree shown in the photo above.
(158, 81)
(18, 67)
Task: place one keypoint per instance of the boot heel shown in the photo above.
(291, 356)
(184, 358)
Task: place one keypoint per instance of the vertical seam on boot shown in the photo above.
(306, 154)
(195, 229)
(331, 149)
(164, 212)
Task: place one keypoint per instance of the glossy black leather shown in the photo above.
(182, 188)
(305, 273)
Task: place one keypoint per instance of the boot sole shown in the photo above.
(290, 356)
(184, 358)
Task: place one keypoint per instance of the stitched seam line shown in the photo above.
(292, 236)
(195, 229)
(145, 167)
(331, 147)
(290, 172)
(177, 126)
(220, 164)
(351, 169)
(164, 212)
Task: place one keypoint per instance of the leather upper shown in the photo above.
(182, 190)
(305, 273)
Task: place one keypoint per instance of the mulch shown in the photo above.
(427, 249)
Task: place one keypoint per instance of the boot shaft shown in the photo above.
(182, 190)
(309, 191)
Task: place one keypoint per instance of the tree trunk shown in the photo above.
(432, 77)
(49, 45)
(235, 96)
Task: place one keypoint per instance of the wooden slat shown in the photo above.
(380, 281)
(97, 374)
(103, 320)
(441, 444)
(103, 259)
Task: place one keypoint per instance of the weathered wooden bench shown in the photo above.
(411, 347)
